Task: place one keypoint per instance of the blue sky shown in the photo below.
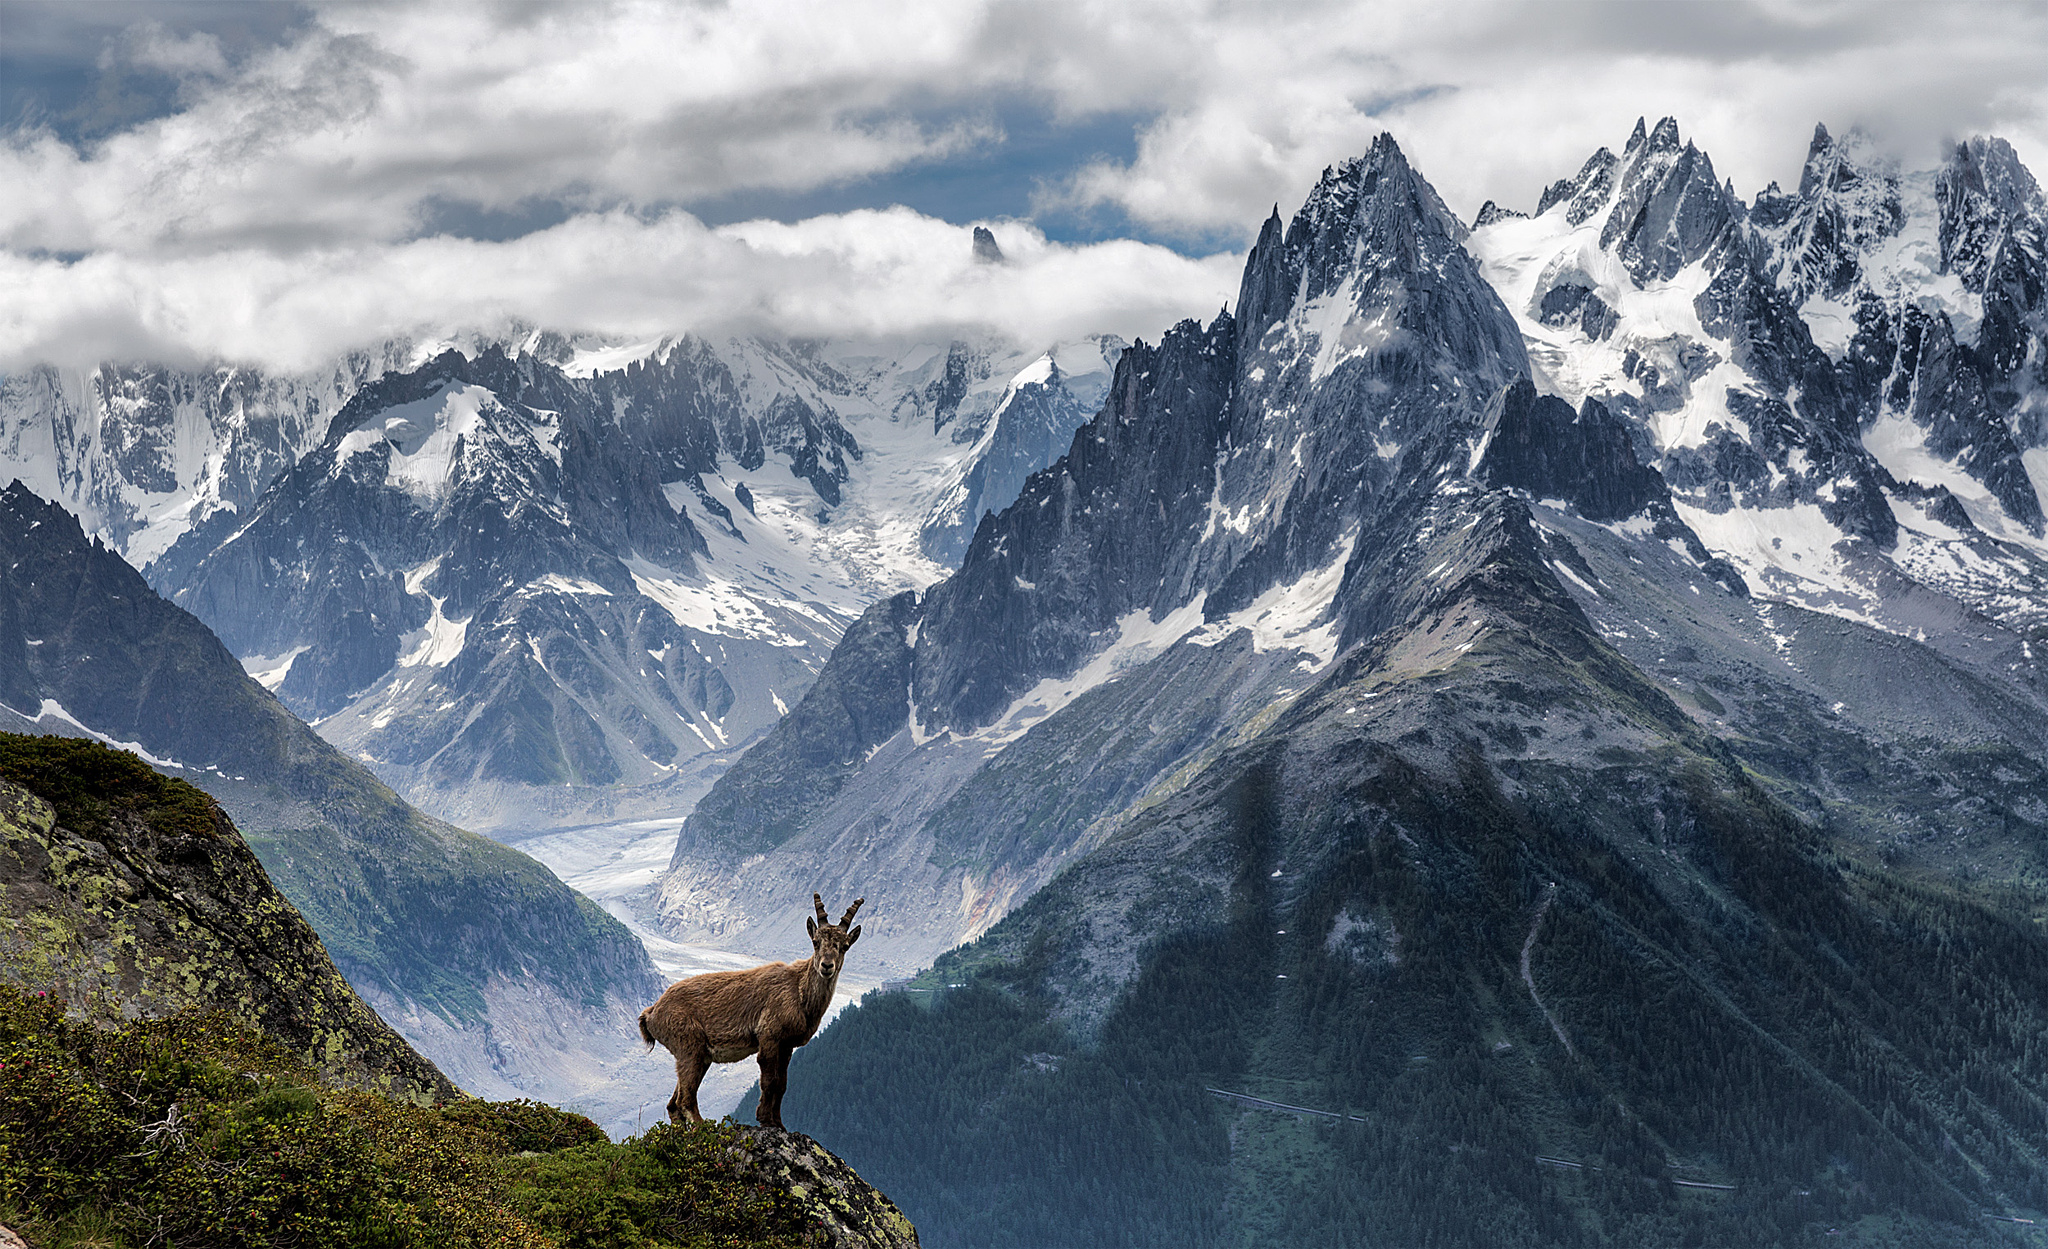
(276, 182)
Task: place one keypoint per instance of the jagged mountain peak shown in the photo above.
(1836, 162)
(1374, 202)
(1370, 206)
(1372, 269)
(1987, 165)
(489, 368)
(1836, 354)
(1849, 202)
(1993, 219)
(1666, 209)
(1585, 192)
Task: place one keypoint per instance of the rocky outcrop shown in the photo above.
(1586, 458)
(130, 894)
(852, 1213)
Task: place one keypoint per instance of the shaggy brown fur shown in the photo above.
(723, 1016)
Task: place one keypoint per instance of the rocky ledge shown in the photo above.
(852, 1212)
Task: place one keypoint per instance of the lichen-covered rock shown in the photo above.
(131, 894)
(854, 1214)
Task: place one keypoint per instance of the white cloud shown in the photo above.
(150, 46)
(1494, 101)
(276, 214)
(888, 274)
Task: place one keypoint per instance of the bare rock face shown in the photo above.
(854, 1214)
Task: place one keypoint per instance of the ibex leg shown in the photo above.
(774, 1078)
(692, 1061)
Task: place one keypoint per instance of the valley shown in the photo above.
(1554, 703)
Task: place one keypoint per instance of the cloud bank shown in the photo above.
(310, 195)
(872, 275)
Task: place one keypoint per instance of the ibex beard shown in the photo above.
(723, 1016)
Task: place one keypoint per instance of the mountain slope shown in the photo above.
(1613, 951)
(476, 953)
(1362, 718)
(131, 894)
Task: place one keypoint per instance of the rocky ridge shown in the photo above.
(130, 894)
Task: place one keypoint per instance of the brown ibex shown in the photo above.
(723, 1016)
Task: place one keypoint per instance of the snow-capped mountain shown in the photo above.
(143, 452)
(1517, 693)
(1264, 494)
(1839, 383)
(569, 580)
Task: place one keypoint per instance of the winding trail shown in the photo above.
(1536, 925)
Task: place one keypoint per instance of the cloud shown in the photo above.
(298, 195)
(1494, 101)
(891, 274)
(150, 46)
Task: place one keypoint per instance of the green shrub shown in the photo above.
(89, 784)
(196, 1132)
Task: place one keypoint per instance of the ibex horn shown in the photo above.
(819, 902)
(847, 918)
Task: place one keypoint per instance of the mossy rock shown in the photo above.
(129, 894)
(852, 1212)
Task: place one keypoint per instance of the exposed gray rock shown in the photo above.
(852, 1212)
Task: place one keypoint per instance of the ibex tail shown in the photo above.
(645, 1035)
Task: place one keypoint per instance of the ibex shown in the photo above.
(723, 1016)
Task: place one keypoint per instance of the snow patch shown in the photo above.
(269, 671)
(562, 585)
(1139, 640)
(1524, 258)
(1790, 553)
(433, 646)
(1294, 616)
(54, 710)
(591, 360)
(1564, 570)
(713, 604)
(1901, 446)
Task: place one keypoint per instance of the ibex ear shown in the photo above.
(853, 936)
(811, 927)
